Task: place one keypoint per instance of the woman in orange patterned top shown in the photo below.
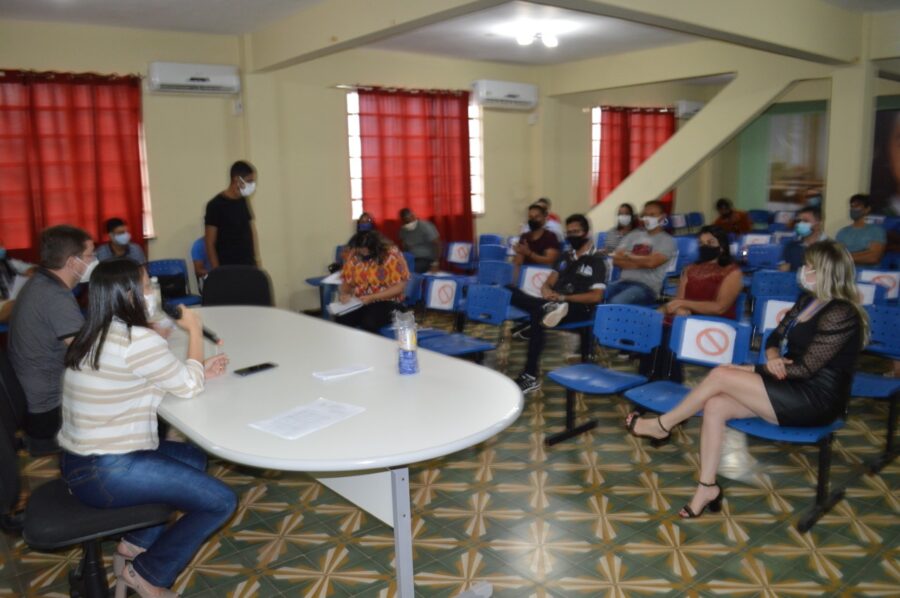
(375, 272)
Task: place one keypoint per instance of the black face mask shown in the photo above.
(708, 253)
(535, 225)
(576, 242)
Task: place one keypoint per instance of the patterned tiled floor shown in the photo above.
(592, 517)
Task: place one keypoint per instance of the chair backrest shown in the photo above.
(237, 285)
(884, 322)
(678, 221)
(695, 219)
(172, 276)
(410, 260)
(601, 240)
(891, 260)
(890, 279)
(339, 254)
(740, 306)
(459, 253)
(759, 218)
(443, 293)
(491, 252)
(764, 256)
(531, 279)
(772, 283)
(871, 293)
(490, 239)
(413, 291)
(12, 413)
(755, 239)
(688, 250)
(487, 304)
(769, 311)
(710, 341)
(628, 327)
(498, 273)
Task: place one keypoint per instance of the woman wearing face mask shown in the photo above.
(118, 371)
(375, 273)
(10, 269)
(363, 224)
(806, 380)
(626, 222)
(708, 287)
(120, 244)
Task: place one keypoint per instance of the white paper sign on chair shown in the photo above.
(708, 342)
(441, 294)
(533, 279)
(775, 311)
(866, 292)
(459, 253)
(755, 239)
(672, 264)
(890, 280)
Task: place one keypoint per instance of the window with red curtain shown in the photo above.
(415, 154)
(627, 137)
(70, 153)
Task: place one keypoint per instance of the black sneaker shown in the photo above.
(527, 382)
(554, 313)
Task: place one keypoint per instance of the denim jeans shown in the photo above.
(631, 293)
(173, 474)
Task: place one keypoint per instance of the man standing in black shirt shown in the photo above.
(230, 234)
(570, 293)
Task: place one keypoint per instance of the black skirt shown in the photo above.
(816, 401)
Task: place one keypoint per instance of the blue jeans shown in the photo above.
(174, 475)
(631, 293)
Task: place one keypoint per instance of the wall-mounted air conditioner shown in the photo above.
(181, 77)
(687, 108)
(505, 94)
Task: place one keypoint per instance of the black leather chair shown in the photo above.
(53, 517)
(237, 285)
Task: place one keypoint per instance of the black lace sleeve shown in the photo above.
(836, 326)
(776, 336)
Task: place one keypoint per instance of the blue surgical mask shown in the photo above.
(122, 238)
(2, 253)
(803, 229)
(363, 226)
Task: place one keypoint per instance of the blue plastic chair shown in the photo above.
(460, 254)
(173, 268)
(719, 341)
(679, 222)
(438, 299)
(497, 273)
(625, 327)
(695, 221)
(601, 240)
(491, 252)
(772, 283)
(490, 239)
(4, 328)
(763, 256)
(485, 304)
(821, 436)
(410, 261)
(760, 219)
(688, 247)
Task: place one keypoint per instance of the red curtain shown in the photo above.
(69, 154)
(628, 136)
(415, 154)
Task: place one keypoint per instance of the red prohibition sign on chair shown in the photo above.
(462, 252)
(885, 280)
(538, 279)
(712, 341)
(445, 294)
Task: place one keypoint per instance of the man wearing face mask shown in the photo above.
(643, 255)
(420, 238)
(120, 244)
(538, 245)
(230, 234)
(44, 321)
(808, 229)
(864, 241)
(569, 294)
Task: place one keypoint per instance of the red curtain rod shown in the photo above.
(640, 108)
(454, 92)
(14, 75)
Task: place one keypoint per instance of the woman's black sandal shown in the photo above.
(715, 505)
(654, 441)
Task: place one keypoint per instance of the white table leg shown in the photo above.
(402, 532)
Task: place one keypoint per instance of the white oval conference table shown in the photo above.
(448, 406)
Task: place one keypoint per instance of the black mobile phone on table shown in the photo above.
(252, 369)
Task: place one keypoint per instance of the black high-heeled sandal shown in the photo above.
(654, 441)
(714, 506)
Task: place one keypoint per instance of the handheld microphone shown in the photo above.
(174, 312)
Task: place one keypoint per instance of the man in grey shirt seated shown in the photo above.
(643, 255)
(44, 321)
(421, 239)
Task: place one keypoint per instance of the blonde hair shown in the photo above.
(836, 278)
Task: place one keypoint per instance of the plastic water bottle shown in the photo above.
(405, 327)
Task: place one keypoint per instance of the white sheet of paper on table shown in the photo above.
(343, 372)
(307, 419)
(337, 308)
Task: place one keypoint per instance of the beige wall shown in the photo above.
(191, 140)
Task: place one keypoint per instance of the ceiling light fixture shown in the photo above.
(526, 32)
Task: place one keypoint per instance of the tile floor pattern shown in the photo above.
(592, 517)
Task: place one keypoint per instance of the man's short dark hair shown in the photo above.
(539, 207)
(657, 203)
(59, 243)
(242, 169)
(114, 223)
(813, 210)
(862, 198)
(723, 203)
(581, 220)
(545, 200)
(405, 212)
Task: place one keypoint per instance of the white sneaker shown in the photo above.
(554, 313)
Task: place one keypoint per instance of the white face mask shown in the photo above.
(122, 238)
(624, 220)
(152, 306)
(652, 222)
(248, 188)
(411, 225)
(89, 267)
(802, 274)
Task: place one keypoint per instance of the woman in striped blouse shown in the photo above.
(118, 370)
